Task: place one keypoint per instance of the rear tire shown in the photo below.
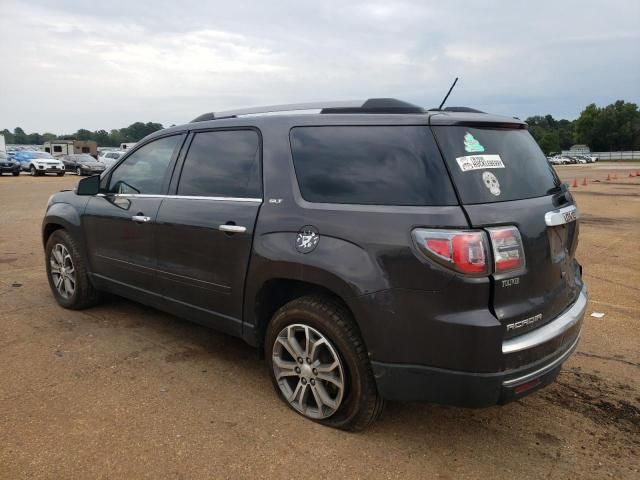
(67, 273)
(79, 171)
(326, 329)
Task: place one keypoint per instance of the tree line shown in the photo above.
(133, 133)
(611, 128)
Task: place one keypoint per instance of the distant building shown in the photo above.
(71, 147)
(580, 149)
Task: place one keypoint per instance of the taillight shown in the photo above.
(508, 254)
(460, 250)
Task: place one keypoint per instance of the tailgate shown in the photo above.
(503, 179)
(550, 281)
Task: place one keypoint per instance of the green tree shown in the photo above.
(83, 134)
(19, 136)
(614, 127)
(8, 136)
(550, 142)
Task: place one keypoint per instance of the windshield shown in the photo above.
(39, 155)
(495, 165)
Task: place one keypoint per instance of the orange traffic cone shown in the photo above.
(584, 182)
(575, 183)
(608, 176)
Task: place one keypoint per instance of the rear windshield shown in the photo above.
(370, 165)
(495, 165)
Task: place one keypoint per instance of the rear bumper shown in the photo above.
(552, 345)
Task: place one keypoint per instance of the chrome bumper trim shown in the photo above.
(547, 368)
(551, 330)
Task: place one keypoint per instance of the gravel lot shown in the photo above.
(123, 391)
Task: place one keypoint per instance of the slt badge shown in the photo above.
(307, 239)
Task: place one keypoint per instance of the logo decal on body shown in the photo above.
(491, 182)
(307, 239)
(524, 323)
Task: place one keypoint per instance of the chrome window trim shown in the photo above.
(551, 330)
(184, 197)
(557, 217)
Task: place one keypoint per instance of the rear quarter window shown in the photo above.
(515, 169)
(370, 165)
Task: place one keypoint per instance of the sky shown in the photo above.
(71, 64)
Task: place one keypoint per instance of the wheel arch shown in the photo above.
(277, 292)
(61, 216)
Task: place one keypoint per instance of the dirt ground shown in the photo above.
(123, 391)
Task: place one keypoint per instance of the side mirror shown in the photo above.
(89, 185)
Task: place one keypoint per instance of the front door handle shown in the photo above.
(232, 228)
(141, 219)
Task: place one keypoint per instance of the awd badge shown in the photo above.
(307, 239)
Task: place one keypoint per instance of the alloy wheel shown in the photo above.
(63, 273)
(309, 371)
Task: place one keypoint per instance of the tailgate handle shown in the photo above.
(562, 216)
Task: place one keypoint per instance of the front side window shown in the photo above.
(222, 164)
(145, 169)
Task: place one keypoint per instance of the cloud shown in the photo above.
(73, 64)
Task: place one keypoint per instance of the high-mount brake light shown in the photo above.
(461, 250)
(508, 253)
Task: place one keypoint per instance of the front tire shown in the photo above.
(67, 273)
(79, 171)
(15, 174)
(32, 171)
(60, 174)
(319, 364)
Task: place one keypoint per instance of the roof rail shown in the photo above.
(372, 105)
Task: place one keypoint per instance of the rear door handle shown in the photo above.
(232, 228)
(141, 219)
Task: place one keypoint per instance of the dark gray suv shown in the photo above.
(372, 251)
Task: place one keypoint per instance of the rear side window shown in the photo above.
(224, 163)
(370, 165)
(495, 165)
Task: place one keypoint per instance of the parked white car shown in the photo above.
(109, 157)
(39, 163)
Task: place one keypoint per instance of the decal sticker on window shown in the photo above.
(491, 182)
(479, 162)
(472, 145)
